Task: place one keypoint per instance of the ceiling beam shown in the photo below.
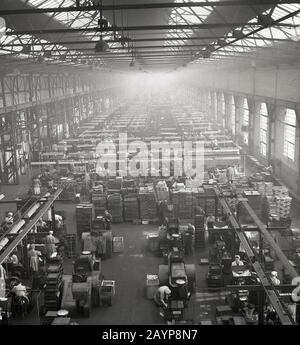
(158, 39)
(203, 26)
(144, 6)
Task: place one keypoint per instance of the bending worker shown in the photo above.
(162, 295)
(20, 291)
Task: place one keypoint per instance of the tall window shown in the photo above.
(232, 117)
(289, 134)
(209, 103)
(216, 106)
(223, 111)
(263, 128)
(246, 121)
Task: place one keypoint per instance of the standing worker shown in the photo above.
(230, 173)
(50, 244)
(108, 219)
(188, 239)
(36, 186)
(33, 256)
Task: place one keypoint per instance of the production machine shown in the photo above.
(82, 289)
(181, 278)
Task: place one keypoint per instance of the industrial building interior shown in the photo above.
(149, 163)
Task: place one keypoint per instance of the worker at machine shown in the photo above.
(13, 259)
(41, 225)
(58, 221)
(274, 278)
(20, 290)
(188, 239)
(9, 219)
(237, 261)
(33, 256)
(210, 221)
(50, 245)
(230, 173)
(162, 295)
(251, 314)
(108, 219)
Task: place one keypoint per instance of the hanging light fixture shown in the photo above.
(101, 46)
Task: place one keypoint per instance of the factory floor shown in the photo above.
(129, 269)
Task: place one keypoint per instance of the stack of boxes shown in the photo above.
(183, 203)
(147, 203)
(84, 217)
(198, 198)
(199, 231)
(284, 204)
(99, 202)
(210, 200)
(131, 207)
(115, 207)
(114, 185)
(71, 245)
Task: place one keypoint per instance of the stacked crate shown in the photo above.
(53, 287)
(71, 245)
(283, 204)
(148, 208)
(183, 203)
(280, 191)
(198, 197)
(115, 207)
(84, 217)
(99, 202)
(210, 198)
(131, 207)
(114, 185)
(199, 231)
(268, 188)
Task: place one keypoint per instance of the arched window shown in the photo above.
(264, 122)
(289, 134)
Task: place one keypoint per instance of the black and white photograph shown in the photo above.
(149, 167)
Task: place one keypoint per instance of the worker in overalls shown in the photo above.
(50, 245)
